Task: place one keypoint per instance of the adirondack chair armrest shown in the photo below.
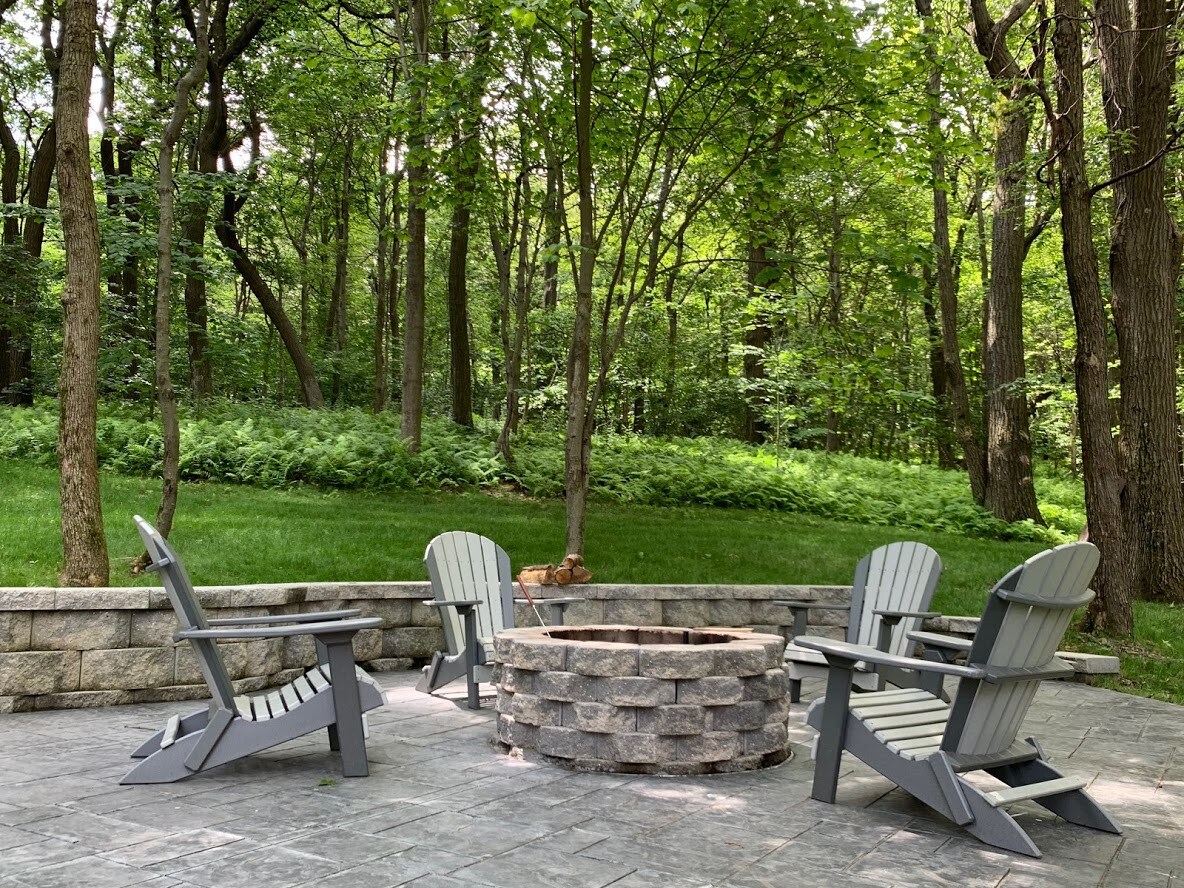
(337, 627)
(943, 648)
(557, 605)
(319, 617)
(892, 617)
(801, 610)
(846, 653)
(461, 605)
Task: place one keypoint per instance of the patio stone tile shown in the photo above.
(271, 867)
(41, 854)
(346, 847)
(93, 872)
(96, 832)
(174, 847)
(532, 867)
(12, 838)
(465, 834)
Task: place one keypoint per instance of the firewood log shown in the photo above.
(538, 574)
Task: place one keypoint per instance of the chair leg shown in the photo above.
(995, 826)
(334, 740)
(347, 705)
(795, 690)
(832, 733)
(190, 723)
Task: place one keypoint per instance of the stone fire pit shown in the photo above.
(643, 700)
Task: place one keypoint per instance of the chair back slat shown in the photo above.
(187, 608)
(899, 576)
(462, 566)
(1022, 626)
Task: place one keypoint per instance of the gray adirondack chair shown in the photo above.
(926, 746)
(473, 592)
(332, 695)
(892, 590)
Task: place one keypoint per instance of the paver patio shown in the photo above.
(444, 809)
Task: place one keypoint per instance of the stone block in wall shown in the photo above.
(672, 661)
(598, 718)
(710, 746)
(261, 656)
(412, 641)
(389, 664)
(126, 668)
(423, 615)
(10, 704)
(300, 650)
(588, 612)
(633, 612)
(170, 693)
(368, 644)
(80, 630)
(152, 628)
(570, 743)
(563, 686)
(686, 612)
(765, 613)
(635, 690)
(16, 630)
(602, 659)
(731, 612)
(392, 611)
(739, 717)
(714, 690)
(83, 699)
(765, 739)
(15, 598)
(672, 720)
(251, 685)
(103, 599)
(39, 672)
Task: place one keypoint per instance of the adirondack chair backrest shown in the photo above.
(189, 613)
(463, 566)
(1021, 628)
(899, 576)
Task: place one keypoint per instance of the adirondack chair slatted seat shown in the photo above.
(926, 745)
(892, 590)
(332, 695)
(472, 590)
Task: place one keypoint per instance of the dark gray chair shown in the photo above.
(472, 588)
(926, 745)
(890, 597)
(332, 695)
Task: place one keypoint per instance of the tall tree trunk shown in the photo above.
(1138, 70)
(552, 209)
(417, 176)
(382, 285)
(1010, 494)
(84, 545)
(756, 339)
(959, 401)
(460, 353)
(1110, 610)
(310, 389)
(937, 373)
(834, 304)
(339, 300)
(166, 397)
(577, 452)
(521, 313)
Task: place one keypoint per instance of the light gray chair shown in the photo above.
(472, 588)
(926, 745)
(331, 695)
(892, 590)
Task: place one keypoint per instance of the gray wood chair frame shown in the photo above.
(926, 745)
(890, 595)
(332, 695)
(472, 589)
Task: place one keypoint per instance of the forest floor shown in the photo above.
(240, 534)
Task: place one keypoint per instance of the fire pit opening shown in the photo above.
(643, 699)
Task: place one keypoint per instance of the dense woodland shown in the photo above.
(920, 231)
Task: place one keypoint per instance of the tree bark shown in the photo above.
(417, 176)
(84, 545)
(1010, 494)
(947, 294)
(339, 300)
(310, 389)
(166, 397)
(1138, 68)
(834, 304)
(1111, 610)
(577, 453)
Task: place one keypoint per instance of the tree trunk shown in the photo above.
(310, 389)
(937, 373)
(947, 294)
(834, 304)
(1137, 62)
(1110, 611)
(382, 286)
(756, 339)
(460, 352)
(84, 545)
(552, 209)
(339, 301)
(417, 176)
(1009, 495)
(165, 395)
(577, 452)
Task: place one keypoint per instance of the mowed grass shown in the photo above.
(232, 534)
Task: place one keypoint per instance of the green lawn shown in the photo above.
(239, 534)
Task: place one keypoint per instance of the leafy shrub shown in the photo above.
(357, 449)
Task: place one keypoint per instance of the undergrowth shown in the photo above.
(355, 449)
